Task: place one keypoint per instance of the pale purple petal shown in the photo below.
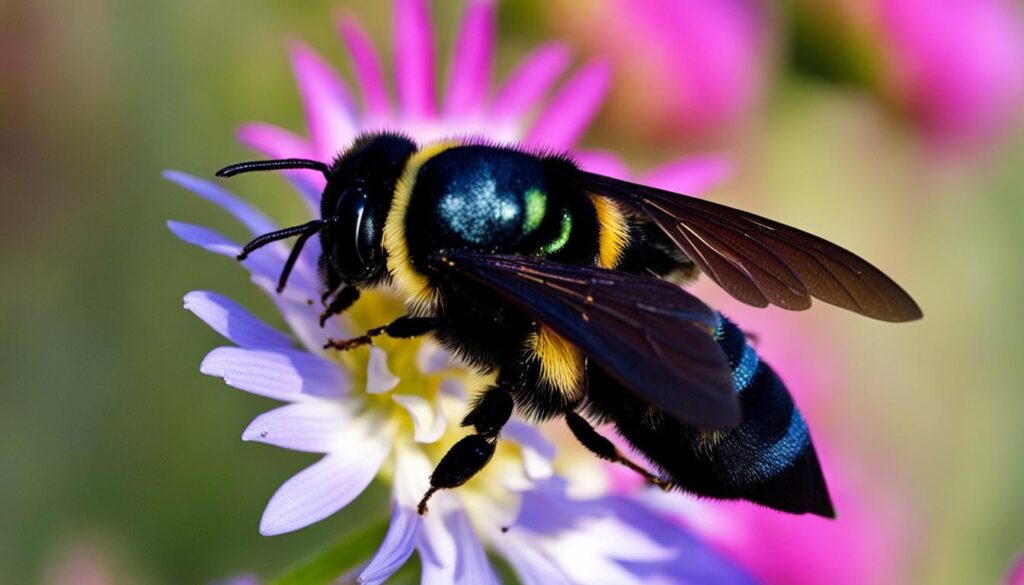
(530, 564)
(469, 76)
(275, 142)
(234, 322)
(262, 265)
(454, 388)
(398, 545)
(204, 237)
(367, 68)
(326, 486)
(379, 378)
(530, 81)
(449, 549)
(538, 452)
(303, 316)
(249, 216)
(326, 101)
(314, 427)
(282, 375)
(569, 113)
(691, 175)
(602, 162)
(414, 59)
(428, 422)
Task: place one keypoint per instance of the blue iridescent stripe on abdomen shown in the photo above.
(773, 433)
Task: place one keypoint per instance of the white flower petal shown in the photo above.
(234, 322)
(538, 452)
(379, 378)
(397, 547)
(326, 486)
(428, 422)
(316, 427)
(282, 375)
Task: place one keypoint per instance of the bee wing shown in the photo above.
(651, 335)
(760, 261)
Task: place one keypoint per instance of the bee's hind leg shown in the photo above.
(605, 449)
(472, 452)
(401, 328)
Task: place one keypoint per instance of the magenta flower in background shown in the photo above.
(1016, 576)
(683, 68)
(387, 413)
(957, 66)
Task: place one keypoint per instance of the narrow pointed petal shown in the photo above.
(530, 81)
(602, 162)
(570, 112)
(449, 549)
(260, 265)
(204, 237)
(529, 563)
(469, 75)
(234, 322)
(275, 142)
(398, 546)
(283, 375)
(314, 427)
(326, 486)
(414, 59)
(326, 102)
(249, 216)
(428, 422)
(691, 175)
(379, 378)
(367, 68)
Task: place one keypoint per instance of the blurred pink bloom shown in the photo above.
(956, 65)
(1016, 576)
(682, 66)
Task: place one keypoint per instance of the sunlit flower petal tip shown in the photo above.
(386, 412)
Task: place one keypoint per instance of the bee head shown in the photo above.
(353, 207)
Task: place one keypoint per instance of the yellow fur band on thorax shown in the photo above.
(411, 285)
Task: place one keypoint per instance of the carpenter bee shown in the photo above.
(566, 284)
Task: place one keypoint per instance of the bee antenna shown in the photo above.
(275, 165)
(304, 231)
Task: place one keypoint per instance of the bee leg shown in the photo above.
(342, 301)
(603, 448)
(472, 452)
(401, 328)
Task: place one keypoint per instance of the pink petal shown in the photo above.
(530, 81)
(325, 487)
(569, 113)
(234, 322)
(283, 374)
(692, 175)
(276, 142)
(602, 162)
(326, 102)
(414, 59)
(470, 74)
(367, 67)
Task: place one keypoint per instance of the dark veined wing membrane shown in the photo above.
(760, 261)
(651, 335)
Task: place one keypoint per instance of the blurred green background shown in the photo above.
(110, 438)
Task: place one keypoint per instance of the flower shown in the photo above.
(385, 411)
(956, 67)
(688, 67)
